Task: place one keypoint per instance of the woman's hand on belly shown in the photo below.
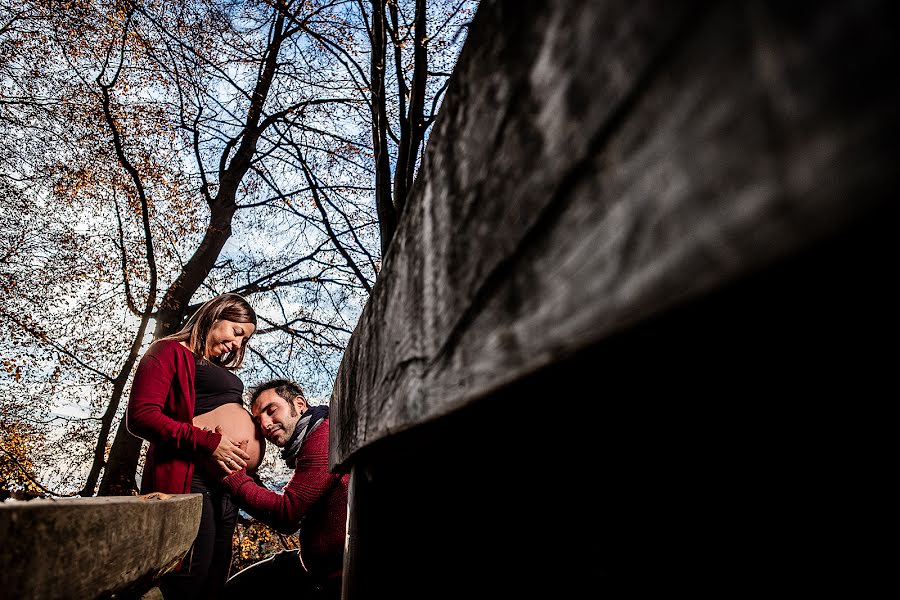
(229, 453)
(236, 426)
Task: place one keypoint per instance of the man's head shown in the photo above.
(277, 406)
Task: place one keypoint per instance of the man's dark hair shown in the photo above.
(283, 387)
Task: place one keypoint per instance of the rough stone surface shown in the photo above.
(93, 547)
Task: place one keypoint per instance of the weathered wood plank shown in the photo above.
(602, 163)
(93, 547)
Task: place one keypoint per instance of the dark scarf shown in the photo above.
(311, 419)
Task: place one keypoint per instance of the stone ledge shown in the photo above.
(93, 547)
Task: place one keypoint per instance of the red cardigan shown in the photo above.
(313, 496)
(161, 410)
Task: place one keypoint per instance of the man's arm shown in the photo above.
(311, 481)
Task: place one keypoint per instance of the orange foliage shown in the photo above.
(16, 469)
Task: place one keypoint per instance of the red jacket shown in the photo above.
(313, 496)
(161, 410)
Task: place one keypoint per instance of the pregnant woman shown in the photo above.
(186, 401)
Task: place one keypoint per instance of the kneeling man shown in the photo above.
(314, 500)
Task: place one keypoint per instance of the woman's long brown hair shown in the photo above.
(228, 307)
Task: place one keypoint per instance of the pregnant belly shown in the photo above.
(237, 425)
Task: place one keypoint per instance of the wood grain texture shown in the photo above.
(112, 547)
(599, 163)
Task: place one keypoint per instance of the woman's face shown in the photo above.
(227, 336)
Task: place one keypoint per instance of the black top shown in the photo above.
(215, 386)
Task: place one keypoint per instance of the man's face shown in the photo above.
(275, 416)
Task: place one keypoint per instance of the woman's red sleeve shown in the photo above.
(145, 417)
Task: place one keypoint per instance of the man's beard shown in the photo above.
(288, 434)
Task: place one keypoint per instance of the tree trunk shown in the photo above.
(413, 123)
(121, 467)
(387, 215)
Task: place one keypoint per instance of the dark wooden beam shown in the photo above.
(629, 337)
